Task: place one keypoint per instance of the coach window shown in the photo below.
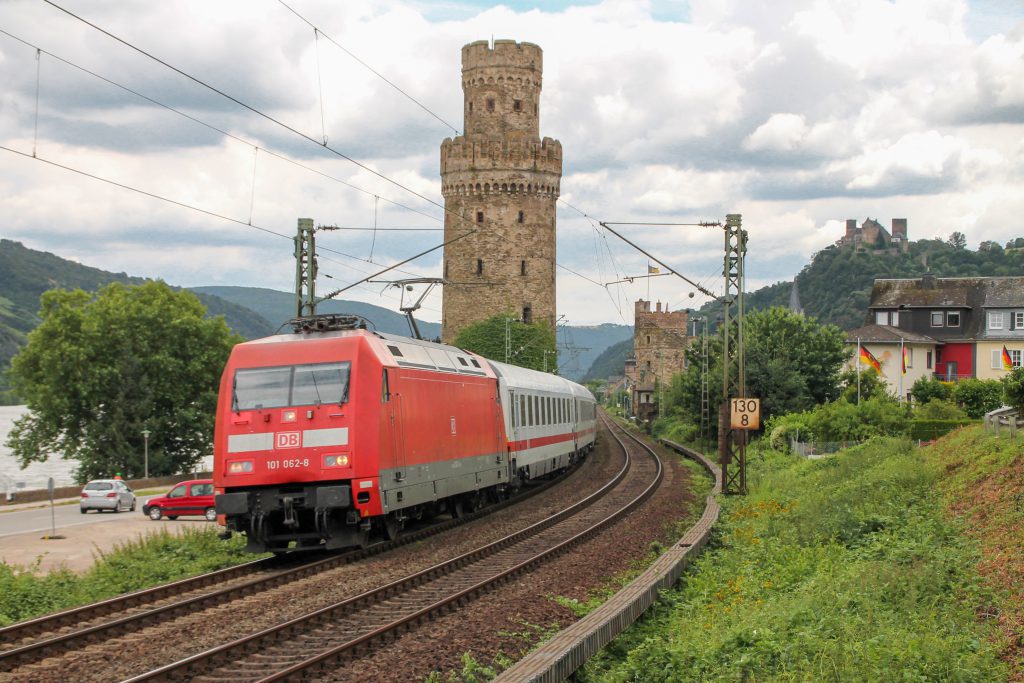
(530, 409)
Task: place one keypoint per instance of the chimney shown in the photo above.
(928, 280)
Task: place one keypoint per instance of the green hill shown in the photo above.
(611, 362)
(26, 273)
(835, 287)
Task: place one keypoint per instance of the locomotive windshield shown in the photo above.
(293, 385)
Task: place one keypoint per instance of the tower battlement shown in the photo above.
(520, 153)
(506, 54)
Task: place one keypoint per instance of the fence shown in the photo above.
(817, 449)
(1004, 419)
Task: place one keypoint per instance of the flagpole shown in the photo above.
(858, 370)
(648, 280)
(903, 367)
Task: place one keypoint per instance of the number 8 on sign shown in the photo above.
(745, 413)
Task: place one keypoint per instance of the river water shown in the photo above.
(35, 476)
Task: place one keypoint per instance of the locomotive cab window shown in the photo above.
(296, 385)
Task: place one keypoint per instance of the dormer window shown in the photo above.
(995, 320)
(952, 318)
(938, 318)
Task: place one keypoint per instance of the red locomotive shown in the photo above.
(327, 435)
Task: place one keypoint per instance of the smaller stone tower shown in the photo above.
(502, 180)
(659, 345)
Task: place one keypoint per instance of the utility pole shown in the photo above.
(732, 443)
(306, 268)
(705, 401)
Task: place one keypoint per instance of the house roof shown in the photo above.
(886, 334)
(949, 292)
(1003, 292)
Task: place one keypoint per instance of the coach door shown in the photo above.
(393, 401)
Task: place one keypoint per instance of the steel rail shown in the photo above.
(47, 647)
(242, 647)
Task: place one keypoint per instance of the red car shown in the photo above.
(187, 498)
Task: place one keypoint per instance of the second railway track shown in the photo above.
(331, 634)
(352, 627)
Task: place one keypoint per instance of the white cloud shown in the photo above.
(796, 114)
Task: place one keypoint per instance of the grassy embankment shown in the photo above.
(885, 562)
(156, 558)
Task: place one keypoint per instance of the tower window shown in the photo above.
(471, 106)
(479, 216)
(520, 218)
(527, 315)
(517, 105)
(490, 104)
(479, 266)
(522, 267)
(446, 269)
(535, 110)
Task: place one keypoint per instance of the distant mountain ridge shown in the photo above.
(26, 273)
(577, 346)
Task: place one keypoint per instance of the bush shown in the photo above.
(978, 396)
(1013, 388)
(938, 409)
(926, 430)
(928, 389)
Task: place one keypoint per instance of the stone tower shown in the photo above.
(501, 179)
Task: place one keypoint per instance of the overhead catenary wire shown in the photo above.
(210, 126)
(198, 209)
(282, 124)
(255, 110)
(384, 78)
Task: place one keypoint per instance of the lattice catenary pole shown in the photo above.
(305, 269)
(732, 444)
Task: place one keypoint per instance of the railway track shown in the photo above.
(350, 628)
(48, 636)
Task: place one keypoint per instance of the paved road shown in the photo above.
(65, 514)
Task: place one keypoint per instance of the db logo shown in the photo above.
(286, 440)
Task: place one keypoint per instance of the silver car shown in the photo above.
(106, 494)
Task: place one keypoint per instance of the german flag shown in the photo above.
(867, 358)
(1007, 361)
(905, 354)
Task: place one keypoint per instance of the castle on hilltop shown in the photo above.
(500, 181)
(872, 236)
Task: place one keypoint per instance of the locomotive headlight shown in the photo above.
(240, 467)
(336, 460)
(288, 416)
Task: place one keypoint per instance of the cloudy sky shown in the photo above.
(795, 114)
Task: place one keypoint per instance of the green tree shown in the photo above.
(978, 396)
(871, 385)
(792, 364)
(1013, 389)
(927, 388)
(957, 240)
(102, 368)
(530, 346)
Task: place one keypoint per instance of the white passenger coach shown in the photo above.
(550, 421)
